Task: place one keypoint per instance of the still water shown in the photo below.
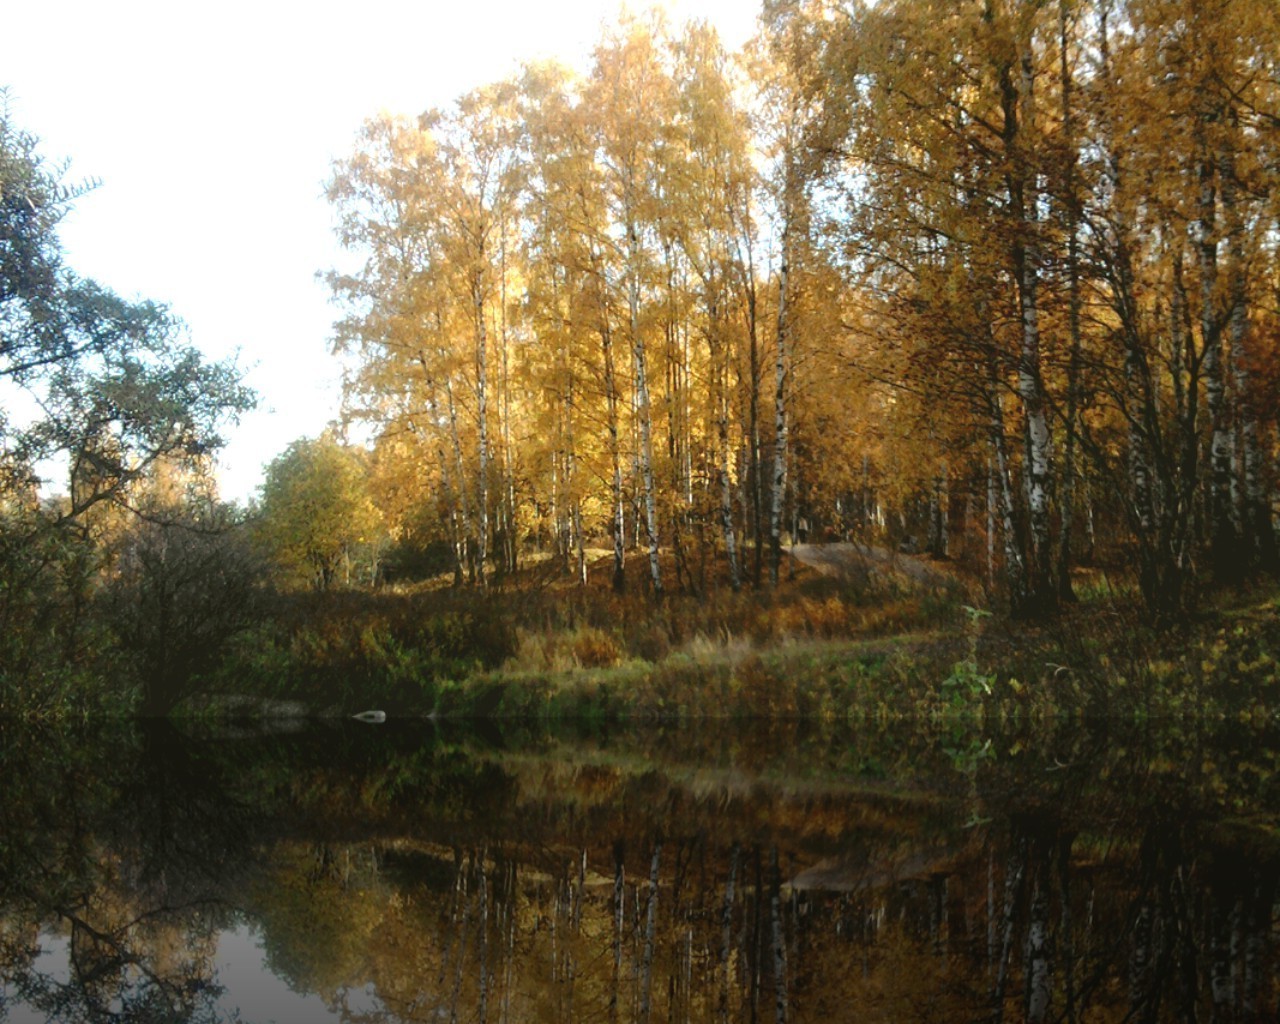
(913, 872)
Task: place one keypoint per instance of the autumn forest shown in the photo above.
(995, 280)
(909, 315)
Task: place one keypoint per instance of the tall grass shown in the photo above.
(407, 650)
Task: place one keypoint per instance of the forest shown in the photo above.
(984, 292)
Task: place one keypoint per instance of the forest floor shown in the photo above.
(850, 632)
(862, 563)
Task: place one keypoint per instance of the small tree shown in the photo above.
(316, 511)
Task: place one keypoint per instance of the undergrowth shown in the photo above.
(814, 648)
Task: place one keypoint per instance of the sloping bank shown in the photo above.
(1088, 664)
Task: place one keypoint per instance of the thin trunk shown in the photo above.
(619, 921)
(720, 400)
(1031, 391)
(509, 949)
(781, 365)
(651, 926)
(1012, 896)
(643, 412)
(1222, 909)
(1067, 937)
(467, 529)
(726, 932)
(1015, 571)
(615, 442)
(482, 417)
(1223, 539)
(991, 523)
(509, 553)
(483, 952)
(1187, 395)
(459, 968)
(753, 412)
(1065, 591)
(449, 498)
(1254, 513)
(778, 937)
(939, 517)
(1038, 968)
(676, 438)
(991, 910)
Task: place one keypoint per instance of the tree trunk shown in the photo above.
(617, 502)
(482, 418)
(781, 361)
(650, 937)
(1065, 592)
(778, 940)
(1041, 597)
(619, 920)
(645, 419)
(726, 932)
(1039, 981)
(1253, 521)
(1015, 570)
(465, 509)
(1223, 540)
(720, 403)
(510, 551)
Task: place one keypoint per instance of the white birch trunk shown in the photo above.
(1038, 973)
(465, 506)
(617, 503)
(643, 413)
(1014, 568)
(720, 398)
(781, 361)
(482, 416)
(1030, 384)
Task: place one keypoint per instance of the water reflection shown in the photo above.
(406, 874)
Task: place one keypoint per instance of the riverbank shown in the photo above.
(823, 646)
(847, 635)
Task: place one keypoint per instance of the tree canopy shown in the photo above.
(316, 510)
(992, 279)
(105, 390)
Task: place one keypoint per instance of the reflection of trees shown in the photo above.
(1083, 881)
(113, 864)
(156, 966)
(1071, 903)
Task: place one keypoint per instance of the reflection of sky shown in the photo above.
(52, 962)
(252, 993)
(258, 995)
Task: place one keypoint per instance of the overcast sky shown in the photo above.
(211, 128)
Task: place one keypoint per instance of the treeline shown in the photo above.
(998, 276)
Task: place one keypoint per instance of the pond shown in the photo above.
(912, 871)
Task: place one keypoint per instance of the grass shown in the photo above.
(538, 646)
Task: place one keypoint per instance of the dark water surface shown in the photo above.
(713, 872)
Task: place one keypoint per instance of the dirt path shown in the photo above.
(860, 562)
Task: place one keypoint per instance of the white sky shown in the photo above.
(212, 128)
